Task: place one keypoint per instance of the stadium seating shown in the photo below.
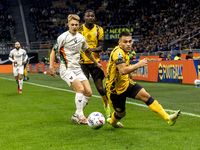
(164, 25)
(7, 23)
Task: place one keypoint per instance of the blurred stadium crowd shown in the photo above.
(164, 25)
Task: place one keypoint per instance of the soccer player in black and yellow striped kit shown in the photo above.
(94, 36)
(119, 85)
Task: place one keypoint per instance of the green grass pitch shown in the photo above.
(40, 118)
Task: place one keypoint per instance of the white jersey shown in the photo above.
(17, 55)
(69, 47)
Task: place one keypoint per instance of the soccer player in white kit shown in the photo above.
(16, 57)
(69, 45)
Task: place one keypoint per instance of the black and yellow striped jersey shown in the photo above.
(92, 37)
(115, 82)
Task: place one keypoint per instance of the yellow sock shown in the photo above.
(25, 72)
(114, 120)
(156, 107)
(105, 100)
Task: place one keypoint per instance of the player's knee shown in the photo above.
(88, 93)
(121, 114)
(101, 91)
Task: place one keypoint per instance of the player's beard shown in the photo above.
(17, 48)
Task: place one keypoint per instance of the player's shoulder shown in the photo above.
(21, 49)
(98, 27)
(64, 34)
(79, 35)
(117, 51)
(12, 50)
(80, 29)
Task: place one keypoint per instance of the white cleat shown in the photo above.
(76, 119)
(119, 125)
(173, 117)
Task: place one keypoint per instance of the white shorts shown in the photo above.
(18, 70)
(70, 75)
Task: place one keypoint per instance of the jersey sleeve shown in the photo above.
(59, 44)
(119, 57)
(101, 34)
(24, 53)
(11, 56)
(84, 45)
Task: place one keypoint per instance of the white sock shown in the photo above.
(79, 105)
(85, 101)
(20, 83)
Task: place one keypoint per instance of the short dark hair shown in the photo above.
(89, 10)
(124, 33)
(178, 54)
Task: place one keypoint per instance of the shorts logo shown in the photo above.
(71, 78)
(119, 55)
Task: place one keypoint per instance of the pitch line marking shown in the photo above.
(128, 102)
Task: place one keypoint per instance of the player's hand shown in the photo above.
(88, 51)
(142, 63)
(99, 49)
(99, 65)
(15, 62)
(52, 72)
(23, 62)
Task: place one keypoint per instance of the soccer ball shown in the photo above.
(197, 82)
(45, 72)
(96, 120)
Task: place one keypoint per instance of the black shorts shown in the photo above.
(92, 69)
(119, 101)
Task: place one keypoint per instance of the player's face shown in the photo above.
(125, 43)
(73, 26)
(17, 45)
(89, 17)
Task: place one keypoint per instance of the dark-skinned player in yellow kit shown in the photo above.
(119, 85)
(94, 36)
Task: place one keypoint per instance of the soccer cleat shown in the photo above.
(173, 117)
(84, 120)
(20, 91)
(119, 125)
(108, 120)
(108, 111)
(27, 78)
(76, 119)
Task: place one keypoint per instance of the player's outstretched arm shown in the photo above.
(51, 67)
(123, 69)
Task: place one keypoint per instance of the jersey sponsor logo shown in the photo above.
(119, 55)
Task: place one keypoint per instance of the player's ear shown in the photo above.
(119, 41)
